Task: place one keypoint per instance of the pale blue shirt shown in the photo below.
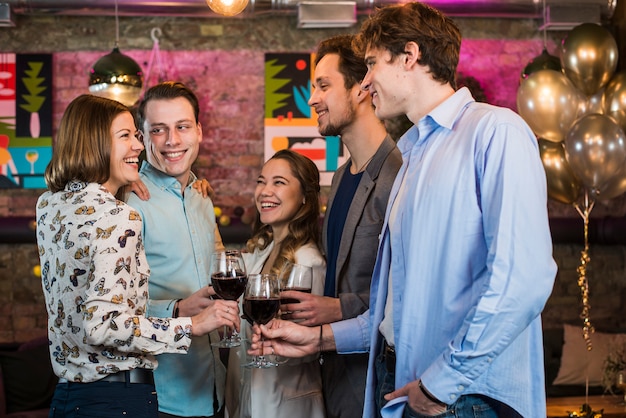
(470, 252)
(180, 234)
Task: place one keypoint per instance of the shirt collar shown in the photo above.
(164, 180)
(444, 115)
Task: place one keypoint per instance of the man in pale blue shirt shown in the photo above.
(180, 234)
(464, 265)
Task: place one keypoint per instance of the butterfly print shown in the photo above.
(104, 233)
(74, 277)
(115, 211)
(122, 282)
(58, 218)
(58, 322)
(134, 216)
(99, 287)
(81, 253)
(160, 323)
(93, 358)
(71, 326)
(88, 312)
(127, 341)
(182, 332)
(108, 369)
(122, 264)
(117, 299)
(59, 234)
(122, 239)
(79, 304)
(60, 268)
(41, 205)
(85, 210)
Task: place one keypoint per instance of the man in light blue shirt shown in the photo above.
(180, 234)
(464, 265)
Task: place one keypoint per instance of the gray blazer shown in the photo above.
(359, 240)
(344, 375)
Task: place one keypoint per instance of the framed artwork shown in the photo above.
(289, 120)
(25, 119)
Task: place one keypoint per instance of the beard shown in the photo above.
(337, 128)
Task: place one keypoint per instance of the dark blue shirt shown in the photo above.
(336, 221)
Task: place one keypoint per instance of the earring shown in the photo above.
(303, 200)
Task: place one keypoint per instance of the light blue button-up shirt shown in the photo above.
(180, 234)
(470, 253)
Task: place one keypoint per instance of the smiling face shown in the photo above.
(384, 82)
(278, 196)
(125, 150)
(172, 136)
(332, 102)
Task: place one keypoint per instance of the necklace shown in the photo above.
(364, 165)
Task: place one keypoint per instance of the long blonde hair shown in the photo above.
(304, 228)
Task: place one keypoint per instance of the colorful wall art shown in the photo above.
(289, 120)
(25, 119)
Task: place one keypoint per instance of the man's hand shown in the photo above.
(417, 399)
(140, 189)
(198, 301)
(312, 309)
(284, 338)
(203, 186)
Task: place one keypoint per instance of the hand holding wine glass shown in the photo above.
(295, 277)
(260, 304)
(229, 278)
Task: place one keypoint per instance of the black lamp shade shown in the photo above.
(118, 77)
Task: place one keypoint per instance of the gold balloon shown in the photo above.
(614, 187)
(563, 186)
(544, 61)
(614, 101)
(592, 104)
(595, 149)
(549, 103)
(589, 57)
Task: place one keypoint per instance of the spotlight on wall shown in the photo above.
(227, 7)
(116, 76)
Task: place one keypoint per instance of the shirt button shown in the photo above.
(460, 387)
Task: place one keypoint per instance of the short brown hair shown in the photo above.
(439, 39)
(167, 90)
(82, 150)
(351, 64)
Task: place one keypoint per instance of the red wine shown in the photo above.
(229, 288)
(285, 301)
(260, 310)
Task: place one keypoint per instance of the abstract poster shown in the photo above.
(25, 119)
(289, 120)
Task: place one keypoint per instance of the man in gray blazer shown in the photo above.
(354, 218)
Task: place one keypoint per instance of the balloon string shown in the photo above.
(583, 282)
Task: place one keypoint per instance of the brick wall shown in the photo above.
(222, 60)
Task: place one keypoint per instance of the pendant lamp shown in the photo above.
(227, 7)
(116, 76)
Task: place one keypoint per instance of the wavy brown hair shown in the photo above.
(82, 149)
(438, 37)
(304, 228)
(351, 64)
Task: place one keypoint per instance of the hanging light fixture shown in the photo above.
(227, 7)
(116, 76)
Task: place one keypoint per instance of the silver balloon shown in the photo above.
(595, 149)
(589, 57)
(549, 103)
(563, 186)
(614, 102)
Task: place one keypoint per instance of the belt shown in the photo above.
(144, 376)
(389, 354)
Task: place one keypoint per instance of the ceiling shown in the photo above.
(470, 8)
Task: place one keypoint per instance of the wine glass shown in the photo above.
(296, 277)
(620, 382)
(260, 304)
(229, 278)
